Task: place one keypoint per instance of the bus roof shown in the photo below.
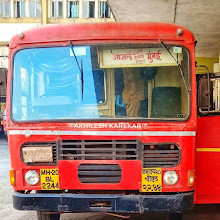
(103, 31)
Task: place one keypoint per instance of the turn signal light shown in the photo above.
(191, 178)
(12, 177)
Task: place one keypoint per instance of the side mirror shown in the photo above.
(204, 92)
(209, 93)
(203, 95)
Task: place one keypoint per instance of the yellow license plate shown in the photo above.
(49, 179)
(151, 180)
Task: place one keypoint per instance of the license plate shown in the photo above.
(49, 179)
(151, 180)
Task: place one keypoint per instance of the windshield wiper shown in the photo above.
(80, 68)
(180, 68)
(82, 78)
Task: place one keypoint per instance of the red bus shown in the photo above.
(102, 118)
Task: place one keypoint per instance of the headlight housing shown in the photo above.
(170, 178)
(37, 154)
(32, 177)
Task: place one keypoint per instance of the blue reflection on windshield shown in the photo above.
(47, 84)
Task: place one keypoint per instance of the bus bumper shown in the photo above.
(103, 203)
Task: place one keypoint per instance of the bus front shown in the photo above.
(102, 123)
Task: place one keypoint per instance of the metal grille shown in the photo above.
(99, 173)
(99, 150)
(162, 155)
(55, 156)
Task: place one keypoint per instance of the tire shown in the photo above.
(45, 216)
(175, 216)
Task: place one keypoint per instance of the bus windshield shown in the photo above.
(100, 82)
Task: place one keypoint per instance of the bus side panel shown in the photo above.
(208, 160)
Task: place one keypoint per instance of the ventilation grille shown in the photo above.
(164, 155)
(99, 150)
(152, 155)
(99, 173)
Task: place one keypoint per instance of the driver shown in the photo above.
(133, 92)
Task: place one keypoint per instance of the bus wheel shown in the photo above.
(175, 216)
(45, 216)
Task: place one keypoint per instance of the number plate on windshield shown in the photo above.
(151, 180)
(49, 179)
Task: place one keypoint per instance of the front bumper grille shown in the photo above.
(99, 150)
(152, 155)
(161, 155)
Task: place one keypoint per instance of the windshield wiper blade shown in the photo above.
(82, 78)
(180, 68)
(80, 68)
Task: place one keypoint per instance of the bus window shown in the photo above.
(99, 82)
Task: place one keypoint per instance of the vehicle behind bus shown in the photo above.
(3, 77)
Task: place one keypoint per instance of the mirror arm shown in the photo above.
(206, 112)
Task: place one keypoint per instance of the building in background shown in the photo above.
(17, 16)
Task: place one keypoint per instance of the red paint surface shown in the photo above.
(104, 31)
(208, 163)
(131, 175)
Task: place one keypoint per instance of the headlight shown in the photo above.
(37, 154)
(32, 177)
(170, 178)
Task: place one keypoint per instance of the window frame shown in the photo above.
(87, 2)
(101, 2)
(35, 2)
(3, 2)
(139, 119)
(22, 3)
(69, 9)
(56, 8)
